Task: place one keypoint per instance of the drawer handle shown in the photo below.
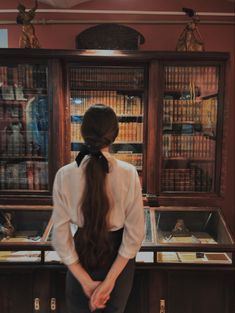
(36, 304)
(53, 304)
(162, 306)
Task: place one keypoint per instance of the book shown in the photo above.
(7, 92)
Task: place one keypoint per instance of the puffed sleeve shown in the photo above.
(62, 239)
(134, 229)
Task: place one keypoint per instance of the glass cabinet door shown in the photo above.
(189, 128)
(23, 128)
(119, 87)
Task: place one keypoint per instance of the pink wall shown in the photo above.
(217, 37)
(158, 36)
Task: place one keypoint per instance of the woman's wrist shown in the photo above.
(111, 277)
(85, 279)
(117, 267)
(80, 274)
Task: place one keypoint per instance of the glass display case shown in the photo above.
(188, 235)
(189, 128)
(22, 231)
(23, 128)
(122, 88)
(172, 235)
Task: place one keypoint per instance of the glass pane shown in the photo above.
(192, 228)
(122, 89)
(23, 127)
(189, 128)
(22, 227)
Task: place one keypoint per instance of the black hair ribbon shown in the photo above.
(86, 150)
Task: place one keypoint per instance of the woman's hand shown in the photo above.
(89, 287)
(87, 283)
(101, 294)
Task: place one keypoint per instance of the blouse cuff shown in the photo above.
(70, 259)
(126, 254)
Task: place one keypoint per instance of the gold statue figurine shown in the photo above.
(190, 38)
(28, 38)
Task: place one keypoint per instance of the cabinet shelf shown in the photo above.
(119, 90)
(182, 122)
(119, 116)
(188, 159)
(22, 158)
(198, 98)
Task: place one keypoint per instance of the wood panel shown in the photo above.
(138, 299)
(16, 292)
(200, 292)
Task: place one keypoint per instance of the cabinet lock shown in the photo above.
(36, 304)
(162, 306)
(53, 304)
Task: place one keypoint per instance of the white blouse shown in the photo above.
(126, 206)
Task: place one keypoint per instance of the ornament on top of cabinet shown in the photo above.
(28, 37)
(190, 39)
(109, 37)
(63, 3)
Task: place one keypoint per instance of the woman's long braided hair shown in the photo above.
(99, 129)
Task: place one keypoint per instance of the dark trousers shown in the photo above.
(77, 301)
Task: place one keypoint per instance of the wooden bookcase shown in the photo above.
(170, 108)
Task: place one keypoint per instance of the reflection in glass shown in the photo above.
(23, 127)
(189, 129)
(122, 89)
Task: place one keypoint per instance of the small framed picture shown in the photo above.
(8, 92)
(19, 94)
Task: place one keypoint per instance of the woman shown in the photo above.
(101, 195)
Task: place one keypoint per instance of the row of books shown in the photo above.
(10, 92)
(24, 75)
(11, 109)
(209, 111)
(27, 175)
(188, 146)
(189, 179)
(106, 77)
(128, 132)
(184, 77)
(17, 143)
(134, 158)
(122, 104)
(204, 112)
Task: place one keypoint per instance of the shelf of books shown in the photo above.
(23, 128)
(189, 128)
(122, 88)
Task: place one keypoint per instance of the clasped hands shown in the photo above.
(98, 292)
